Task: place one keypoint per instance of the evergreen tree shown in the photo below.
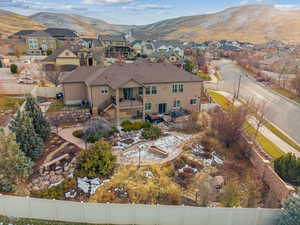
(288, 168)
(14, 165)
(95, 161)
(1, 65)
(30, 143)
(41, 124)
(291, 212)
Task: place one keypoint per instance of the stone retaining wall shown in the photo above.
(265, 170)
(70, 116)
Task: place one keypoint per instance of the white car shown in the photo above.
(26, 80)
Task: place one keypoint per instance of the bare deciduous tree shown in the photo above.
(260, 110)
(54, 76)
(230, 124)
(295, 84)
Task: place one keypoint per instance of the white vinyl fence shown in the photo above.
(33, 208)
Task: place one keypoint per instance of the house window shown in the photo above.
(104, 90)
(193, 101)
(148, 90)
(177, 88)
(176, 104)
(180, 87)
(148, 106)
(140, 91)
(174, 88)
(154, 90)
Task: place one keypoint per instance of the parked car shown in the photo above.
(26, 80)
(154, 118)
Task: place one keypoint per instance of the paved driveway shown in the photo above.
(281, 112)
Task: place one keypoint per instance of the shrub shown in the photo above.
(152, 133)
(115, 130)
(96, 160)
(291, 212)
(49, 52)
(137, 125)
(6, 186)
(95, 129)
(92, 137)
(127, 127)
(58, 192)
(288, 168)
(126, 122)
(13, 68)
(78, 133)
(146, 124)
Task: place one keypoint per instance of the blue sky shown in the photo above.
(134, 11)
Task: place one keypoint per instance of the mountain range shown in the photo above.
(251, 23)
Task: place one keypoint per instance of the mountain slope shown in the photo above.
(12, 22)
(83, 25)
(253, 23)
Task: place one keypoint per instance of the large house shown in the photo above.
(62, 34)
(39, 42)
(113, 40)
(71, 56)
(136, 89)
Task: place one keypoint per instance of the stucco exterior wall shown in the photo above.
(67, 61)
(74, 93)
(99, 99)
(164, 94)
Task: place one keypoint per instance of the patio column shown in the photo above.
(144, 113)
(118, 107)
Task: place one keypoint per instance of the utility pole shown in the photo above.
(239, 85)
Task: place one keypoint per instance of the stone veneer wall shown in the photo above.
(265, 170)
(71, 116)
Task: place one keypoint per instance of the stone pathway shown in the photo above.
(67, 134)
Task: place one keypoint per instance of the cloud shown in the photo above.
(286, 7)
(147, 6)
(38, 6)
(106, 1)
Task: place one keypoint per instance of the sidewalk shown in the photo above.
(67, 134)
(264, 130)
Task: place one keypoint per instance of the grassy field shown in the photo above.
(58, 105)
(287, 94)
(268, 146)
(218, 76)
(220, 99)
(281, 135)
(21, 221)
(265, 143)
(204, 76)
(10, 102)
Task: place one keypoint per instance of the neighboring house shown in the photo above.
(113, 40)
(169, 45)
(167, 57)
(4, 61)
(90, 42)
(22, 34)
(39, 42)
(62, 34)
(71, 56)
(135, 89)
(142, 48)
(123, 52)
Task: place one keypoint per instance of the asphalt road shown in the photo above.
(280, 111)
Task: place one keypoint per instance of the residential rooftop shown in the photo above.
(117, 75)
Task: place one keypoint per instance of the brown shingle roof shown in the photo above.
(117, 75)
